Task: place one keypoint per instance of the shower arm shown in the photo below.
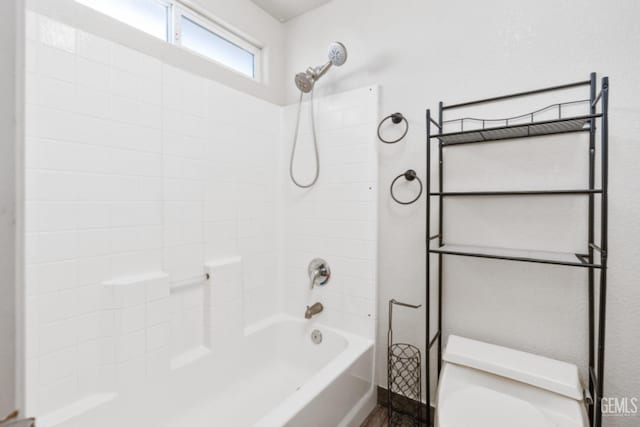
(320, 70)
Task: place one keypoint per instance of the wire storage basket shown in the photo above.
(404, 388)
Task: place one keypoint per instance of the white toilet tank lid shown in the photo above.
(549, 374)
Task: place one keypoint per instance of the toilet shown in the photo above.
(486, 385)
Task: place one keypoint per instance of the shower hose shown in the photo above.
(295, 142)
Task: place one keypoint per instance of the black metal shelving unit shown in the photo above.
(516, 128)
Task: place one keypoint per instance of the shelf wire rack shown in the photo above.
(555, 119)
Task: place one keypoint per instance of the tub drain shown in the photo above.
(316, 336)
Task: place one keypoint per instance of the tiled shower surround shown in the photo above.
(133, 168)
(336, 219)
(141, 178)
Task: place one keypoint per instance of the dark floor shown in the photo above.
(377, 418)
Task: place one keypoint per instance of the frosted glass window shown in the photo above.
(149, 16)
(186, 26)
(207, 43)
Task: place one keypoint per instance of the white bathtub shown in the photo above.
(274, 376)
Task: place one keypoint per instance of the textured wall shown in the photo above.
(424, 52)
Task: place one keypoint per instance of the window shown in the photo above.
(150, 16)
(175, 23)
(226, 49)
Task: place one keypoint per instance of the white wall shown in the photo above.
(336, 219)
(10, 27)
(135, 167)
(424, 52)
(243, 17)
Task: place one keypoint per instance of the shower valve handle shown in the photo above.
(319, 272)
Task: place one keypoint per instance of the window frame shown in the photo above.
(168, 4)
(179, 10)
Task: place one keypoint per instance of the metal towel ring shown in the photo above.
(395, 119)
(409, 175)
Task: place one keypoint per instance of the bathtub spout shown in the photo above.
(313, 310)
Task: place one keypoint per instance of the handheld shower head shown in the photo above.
(337, 56)
(305, 81)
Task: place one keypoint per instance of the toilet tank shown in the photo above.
(542, 372)
(491, 382)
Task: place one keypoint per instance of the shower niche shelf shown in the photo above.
(556, 119)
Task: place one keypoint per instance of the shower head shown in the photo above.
(337, 54)
(307, 79)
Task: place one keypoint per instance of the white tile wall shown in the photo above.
(138, 176)
(337, 218)
(137, 311)
(134, 168)
(225, 303)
